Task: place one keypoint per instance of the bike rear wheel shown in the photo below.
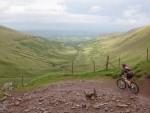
(121, 84)
(134, 88)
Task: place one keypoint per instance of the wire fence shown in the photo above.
(108, 62)
(77, 66)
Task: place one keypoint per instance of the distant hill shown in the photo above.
(68, 37)
(22, 53)
(64, 33)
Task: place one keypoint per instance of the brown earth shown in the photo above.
(69, 97)
(145, 87)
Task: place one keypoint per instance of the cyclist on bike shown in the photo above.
(127, 72)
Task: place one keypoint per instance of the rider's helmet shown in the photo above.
(125, 66)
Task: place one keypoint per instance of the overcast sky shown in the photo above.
(98, 15)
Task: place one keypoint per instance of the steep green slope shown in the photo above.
(25, 54)
(130, 47)
(142, 69)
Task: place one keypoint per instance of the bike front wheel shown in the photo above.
(121, 84)
(134, 88)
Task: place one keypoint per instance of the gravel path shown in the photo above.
(69, 97)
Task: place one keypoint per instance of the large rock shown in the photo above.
(98, 106)
(17, 103)
(7, 86)
(122, 105)
(2, 108)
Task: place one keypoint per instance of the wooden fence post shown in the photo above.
(147, 54)
(22, 80)
(94, 67)
(119, 62)
(72, 66)
(107, 62)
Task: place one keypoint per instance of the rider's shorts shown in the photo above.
(129, 76)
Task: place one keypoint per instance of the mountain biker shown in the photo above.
(127, 72)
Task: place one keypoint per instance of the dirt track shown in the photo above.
(69, 97)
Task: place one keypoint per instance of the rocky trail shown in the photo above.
(70, 97)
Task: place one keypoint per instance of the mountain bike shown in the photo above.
(122, 83)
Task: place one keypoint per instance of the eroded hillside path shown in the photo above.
(68, 97)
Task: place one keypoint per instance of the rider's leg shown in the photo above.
(128, 81)
(129, 77)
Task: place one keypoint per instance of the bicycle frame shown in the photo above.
(125, 79)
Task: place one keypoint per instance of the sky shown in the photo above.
(75, 15)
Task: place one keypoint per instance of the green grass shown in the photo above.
(139, 69)
(56, 77)
(142, 69)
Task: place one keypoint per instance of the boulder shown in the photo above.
(8, 86)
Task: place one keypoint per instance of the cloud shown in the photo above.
(95, 9)
(32, 6)
(47, 11)
(52, 13)
(133, 17)
(30, 10)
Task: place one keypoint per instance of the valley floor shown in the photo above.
(68, 97)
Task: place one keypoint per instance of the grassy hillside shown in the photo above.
(142, 69)
(130, 47)
(32, 56)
